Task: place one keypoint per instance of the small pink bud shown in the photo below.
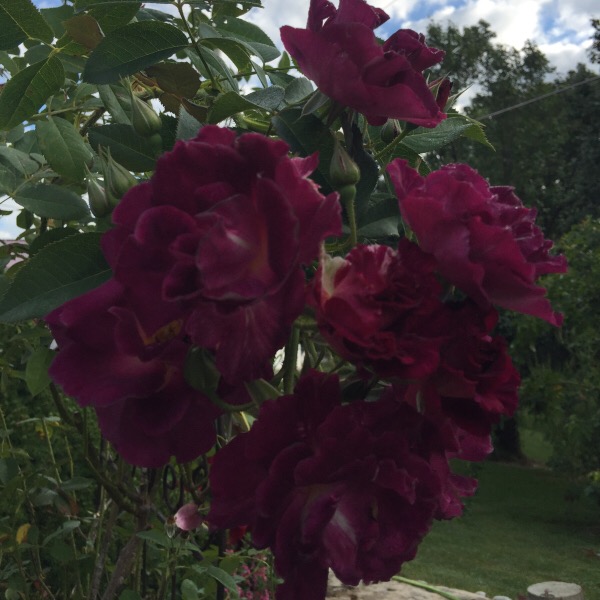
(188, 517)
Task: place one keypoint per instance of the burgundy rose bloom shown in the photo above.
(126, 360)
(353, 488)
(339, 52)
(374, 307)
(222, 231)
(484, 239)
(475, 382)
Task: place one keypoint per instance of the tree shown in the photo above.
(546, 148)
(561, 368)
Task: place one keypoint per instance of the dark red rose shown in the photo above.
(374, 306)
(484, 239)
(474, 384)
(126, 360)
(340, 53)
(222, 230)
(353, 488)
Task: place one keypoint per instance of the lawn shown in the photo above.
(523, 526)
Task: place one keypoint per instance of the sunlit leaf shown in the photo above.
(130, 49)
(26, 92)
(19, 20)
(52, 201)
(59, 272)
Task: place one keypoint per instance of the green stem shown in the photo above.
(125, 499)
(390, 147)
(211, 76)
(289, 362)
(351, 214)
(425, 586)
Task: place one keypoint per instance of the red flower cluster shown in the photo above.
(211, 252)
(349, 487)
(340, 53)
(208, 252)
(355, 487)
(483, 238)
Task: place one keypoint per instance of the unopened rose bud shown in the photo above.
(156, 143)
(99, 203)
(187, 517)
(144, 120)
(441, 89)
(343, 170)
(390, 131)
(118, 180)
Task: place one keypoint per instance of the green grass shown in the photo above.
(518, 530)
(535, 446)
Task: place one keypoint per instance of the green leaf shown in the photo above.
(423, 140)
(232, 103)
(117, 102)
(9, 469)
(155, 537)
(215, 62)
(298, 90)
(306, 135)
(18, 161)
(129, 595)
(59, 272)
(52, 201)
(187, 126)
(224, 578)
(65, 528)
(19, 20)
(85, 30)
(189, 591)
(178, 78)
(76, 484)
(8, 180)
(49, 237)
(381, 219)
(56, 16)
(130, 49)
(26, 92)
(254, 36)
(127, 147)
(64, 148)
(36, 371)
(477, 133)
(111, 17)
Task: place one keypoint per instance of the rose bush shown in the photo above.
(223, 251)
(484, 239)
(339, 52)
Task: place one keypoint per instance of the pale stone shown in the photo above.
(554, 590)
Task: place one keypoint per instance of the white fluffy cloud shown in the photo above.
(561, 28)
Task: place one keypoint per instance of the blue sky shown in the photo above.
(560, 27)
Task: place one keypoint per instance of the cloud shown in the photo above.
(560, 28)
